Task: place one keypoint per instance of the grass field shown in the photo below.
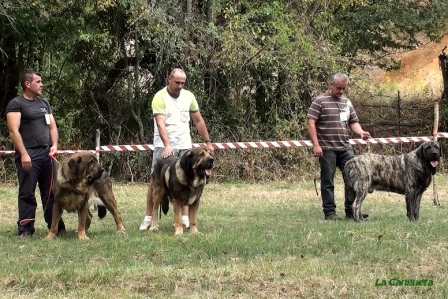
(256, 241)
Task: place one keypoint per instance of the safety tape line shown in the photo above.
(276, 144)
(256, 145)
(8, 152)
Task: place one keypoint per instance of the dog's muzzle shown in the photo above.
(208, 166)
(95, 176)
(435, 157)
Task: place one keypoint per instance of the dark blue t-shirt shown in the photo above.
(34, 129)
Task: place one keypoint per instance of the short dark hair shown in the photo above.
(28, 76)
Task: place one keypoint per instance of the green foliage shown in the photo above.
(378, 28)
(254, 66)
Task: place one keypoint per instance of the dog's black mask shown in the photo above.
(430, 152)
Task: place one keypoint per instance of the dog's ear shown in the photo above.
(73, 164)
(189, 159)
(187, 162)
(421, 151)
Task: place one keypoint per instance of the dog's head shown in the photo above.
(85, 165)
(199, 161)
(429, 152)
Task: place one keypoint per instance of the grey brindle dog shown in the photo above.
(409, 174)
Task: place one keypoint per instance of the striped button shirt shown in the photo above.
(332, 115)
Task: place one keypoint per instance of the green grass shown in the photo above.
(256, 241)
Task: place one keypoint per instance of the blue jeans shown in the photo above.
(328, 164)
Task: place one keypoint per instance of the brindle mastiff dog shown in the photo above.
(180, 181)
(409, 174)
(81, 181)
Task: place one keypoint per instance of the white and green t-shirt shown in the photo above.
(177, 113)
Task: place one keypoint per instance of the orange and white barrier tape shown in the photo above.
(255, 144)
(9, 152)
(274, 144)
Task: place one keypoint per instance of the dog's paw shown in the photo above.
(154, 228)
(83, 237)
(193, 230)
(121, 229)
(50, 237)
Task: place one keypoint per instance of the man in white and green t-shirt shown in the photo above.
(173, 107)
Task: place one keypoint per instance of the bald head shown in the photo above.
(176, 82)
(177, 72)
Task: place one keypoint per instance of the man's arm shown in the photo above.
(357, 129)
(13, 120)
(202, 129)
(160, 122)
(54, 135)
(312, 132)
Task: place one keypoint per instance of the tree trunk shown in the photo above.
(443, 59)
(9, 74)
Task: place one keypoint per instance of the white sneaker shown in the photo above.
(146, 223)
(185, 221)
(186, 224)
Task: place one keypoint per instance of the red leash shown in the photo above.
(52, 180)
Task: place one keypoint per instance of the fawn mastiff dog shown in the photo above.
(81, 181)
(180, 181)
(409, 174)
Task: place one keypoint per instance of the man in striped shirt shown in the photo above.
(329, 117)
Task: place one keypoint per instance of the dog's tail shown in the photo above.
(102, 211)
(165, 205)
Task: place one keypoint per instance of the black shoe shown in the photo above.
(363, 216)
(25, 235)
(332, 217)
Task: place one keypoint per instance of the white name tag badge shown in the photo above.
(47, 118)
(344, 115)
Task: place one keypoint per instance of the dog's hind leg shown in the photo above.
(88, 220)
(157, 195)
(109, 201)
(357, 210)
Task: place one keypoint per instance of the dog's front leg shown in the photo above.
(410, 206)
(83, 213)
(177, 206)
(56, 216)
(193, 216)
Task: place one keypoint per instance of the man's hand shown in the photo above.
(365, 135)
(168, 151)
(53, 150)
(210, 148)
(26, 162)
(317, 151)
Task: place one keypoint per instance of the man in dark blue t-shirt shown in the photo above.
(35, 136)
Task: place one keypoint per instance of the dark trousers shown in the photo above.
(43, 172)
(328, 164)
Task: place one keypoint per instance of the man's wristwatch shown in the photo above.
(207, 141)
